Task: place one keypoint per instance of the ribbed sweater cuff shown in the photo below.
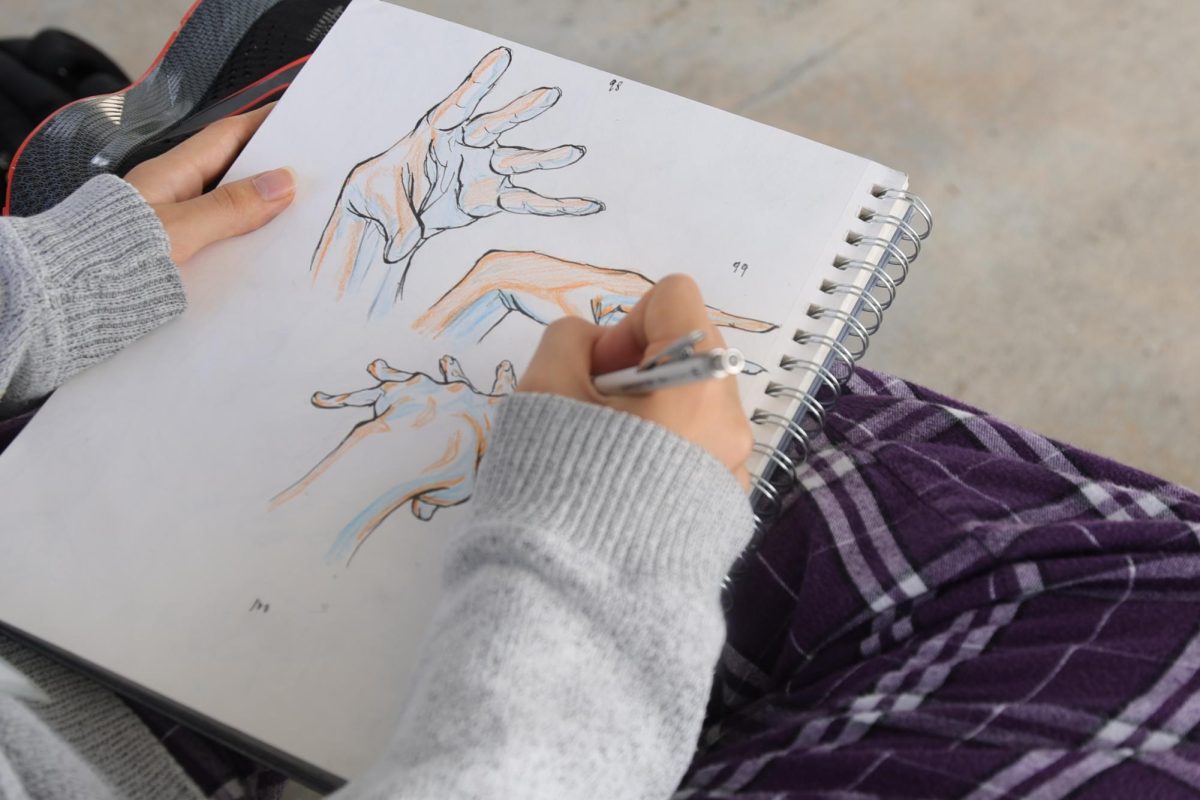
(106, 271)
(625, 489)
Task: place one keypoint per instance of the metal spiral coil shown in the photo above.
(915, 204)
(880, 278)
(787, 425)
(894, 254)
(905, 231)
(838, 351)
(820, 372)
(843, 349)
(786, 464)
(869, 303)
(767, 490)
(854, 327)
(812, 409)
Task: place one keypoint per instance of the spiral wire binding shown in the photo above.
(781, 472)
(854, 327)
(882, 278)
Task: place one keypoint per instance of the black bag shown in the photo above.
(38, 76)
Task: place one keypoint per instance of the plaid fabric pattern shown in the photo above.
(956, 607)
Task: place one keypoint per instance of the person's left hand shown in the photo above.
(173, 184)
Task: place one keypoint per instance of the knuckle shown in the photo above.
(220, 137)
(228, 200)
(231, 130)
(244, 200)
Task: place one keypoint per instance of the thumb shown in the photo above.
(227, 211)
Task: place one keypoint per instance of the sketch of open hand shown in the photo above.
(544, 288)
(448, 172)
(402, 402)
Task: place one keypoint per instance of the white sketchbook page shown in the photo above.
(135, 510)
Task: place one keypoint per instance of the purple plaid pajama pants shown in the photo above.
(956, 607)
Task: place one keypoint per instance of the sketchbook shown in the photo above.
(241, 517)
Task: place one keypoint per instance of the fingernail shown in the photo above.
(274, 185)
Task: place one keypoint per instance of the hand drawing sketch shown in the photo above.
(448, 172)
(403, 401)
(544, 288)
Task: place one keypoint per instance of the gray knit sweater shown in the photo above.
(78, 283)
(573, 649)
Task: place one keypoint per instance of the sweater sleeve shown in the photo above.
(78, 283)
(574, 647)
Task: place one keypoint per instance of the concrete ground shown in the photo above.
(1058, 144)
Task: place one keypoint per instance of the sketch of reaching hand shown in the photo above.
(544, 288)
(402, 403)
(448, 172)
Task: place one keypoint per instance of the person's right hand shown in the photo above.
(708, 413)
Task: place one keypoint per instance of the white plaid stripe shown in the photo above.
(933, 674)
(866, 773)
(843, 536)
(842, 679)
(1029, 577)
(1151, 503)
(1179, 725)
(1131, 574)
(897, 632)
(733, 663)
(926, 654)
(1115, 732)
(1079, 773)
(1181, 671)
(863, 433)
(742, 669)
(1003, 782)
(775, 575)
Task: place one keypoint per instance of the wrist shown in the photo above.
(628, 490)
(100, 270)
